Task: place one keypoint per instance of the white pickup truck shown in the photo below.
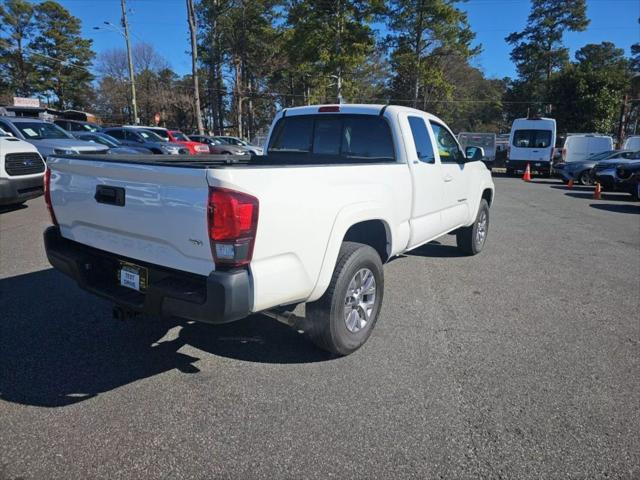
(341, 190)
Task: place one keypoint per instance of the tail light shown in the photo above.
(553, 150)
(47, 195)
(233, 222)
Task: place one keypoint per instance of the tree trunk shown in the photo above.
(193, 28)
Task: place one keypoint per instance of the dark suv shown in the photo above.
(137, 137)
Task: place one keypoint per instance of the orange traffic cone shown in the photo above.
(570, 184)
(527, 174)
(597, 191)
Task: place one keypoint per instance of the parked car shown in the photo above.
(73, 126)
(581, 171)
(21, 170)
(48, 138)
(578, 148)
(531, 142)
(241, 143)
(604, 172)
(138, 137)
(176, 136)
(261, 234)
(485, 140)
(632, 143)
(628, 179)
(218, 146)
(115, 145)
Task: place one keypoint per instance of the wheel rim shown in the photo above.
(585, 179)
(481, 230)
(360, 300)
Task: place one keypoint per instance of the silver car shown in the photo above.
(48, 138)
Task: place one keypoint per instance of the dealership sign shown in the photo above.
(26, 102)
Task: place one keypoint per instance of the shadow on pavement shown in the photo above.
(618, 197)
(437, 250)
(12, 208)
(577, 188)
(616, 207)
(59, 345)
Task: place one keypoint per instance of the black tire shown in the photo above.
(585, 178)
(468, 239)
(509, 172)
(326, 317)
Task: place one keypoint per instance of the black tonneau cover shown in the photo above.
(226, 161)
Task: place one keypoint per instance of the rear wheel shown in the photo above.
(509, 172)
(471, 239)
(343, 318)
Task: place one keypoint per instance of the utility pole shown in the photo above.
(623, 113)
(125, 26)
(191, 16)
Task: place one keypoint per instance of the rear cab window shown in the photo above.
(341, 138)
(532, 138)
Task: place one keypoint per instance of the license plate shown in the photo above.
(538, 164)
(132, 276)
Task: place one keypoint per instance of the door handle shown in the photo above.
(447, 178)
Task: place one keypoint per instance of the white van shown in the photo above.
(632, 143)
(532, 142)
(580, 147)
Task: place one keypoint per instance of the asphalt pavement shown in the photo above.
(521, 362)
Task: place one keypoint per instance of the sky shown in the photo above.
(163, 23)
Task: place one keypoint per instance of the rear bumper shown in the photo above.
(18, 190)
(220, 297)
(521, 165)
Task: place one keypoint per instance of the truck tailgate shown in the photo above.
(152, 213)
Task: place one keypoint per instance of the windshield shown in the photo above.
(601, 155)
(151, 136)
(159, 132)
(532, 138)
(86, 127)
(103, 139)
(181, 137)
(41, 130)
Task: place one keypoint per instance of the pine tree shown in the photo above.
(63, 57)
(17, 29)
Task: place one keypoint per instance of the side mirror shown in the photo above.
(474, 153)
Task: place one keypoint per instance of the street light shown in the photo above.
(125, 33)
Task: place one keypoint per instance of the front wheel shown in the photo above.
(471, 239)
(585, 178)
(343, 318)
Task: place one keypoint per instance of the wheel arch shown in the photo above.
(360, 223)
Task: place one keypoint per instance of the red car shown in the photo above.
(176, 136)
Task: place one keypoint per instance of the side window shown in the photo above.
(421, 139)
(447, 146)
(131, 136)
(115, 133)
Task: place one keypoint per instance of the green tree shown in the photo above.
(63, 57)
(17, 29)
(329, 44)
(589, 91)
(538, 51)
(426, 35)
